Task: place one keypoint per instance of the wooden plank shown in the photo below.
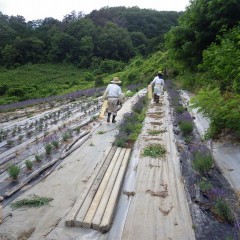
(150, 93)
(69, 220)
(103, 109)
(103, 203)
(110, 208)
(89, 198)
(91, 211)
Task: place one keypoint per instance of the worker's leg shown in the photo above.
(108, 118)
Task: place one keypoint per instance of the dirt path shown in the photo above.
(158, 210)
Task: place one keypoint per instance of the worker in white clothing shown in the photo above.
(158, 84)
(113, 94)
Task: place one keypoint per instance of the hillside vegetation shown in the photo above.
(199, 48)
(49, 57)
(203, 52)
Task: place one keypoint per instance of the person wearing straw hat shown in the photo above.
(158, 84)
(113, 94)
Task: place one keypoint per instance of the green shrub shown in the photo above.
(55, 143)
(186, 127)
(48, 149)
(220, 109)
(202, 163)
(66, 136)
(205, 186)
(222, 209)
(180, 109)
(38, 158)
(29, 164)
(14, 171)
(120, 142)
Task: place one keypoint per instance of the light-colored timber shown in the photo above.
(89, 198)
(111, 205)
(91, 212)
(75, 209)
(103, 203)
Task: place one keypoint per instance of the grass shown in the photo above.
(155, 132)
(154, 151)
(33, 201)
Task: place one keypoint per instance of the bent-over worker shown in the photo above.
(113, 94)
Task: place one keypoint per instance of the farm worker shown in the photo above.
(158, 84)
(113, 94)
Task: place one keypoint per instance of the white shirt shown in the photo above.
(113, 90)
(157, 80)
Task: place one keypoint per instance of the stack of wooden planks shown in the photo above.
(96, 205)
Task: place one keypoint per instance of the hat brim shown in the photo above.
(115, 81)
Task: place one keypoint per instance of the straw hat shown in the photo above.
(116, 80)
(160, 72)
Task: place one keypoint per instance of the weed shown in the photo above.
(33, 201)
(155, 132)
(202, 163)
(14, 171)
(101, 132)
(154, 151)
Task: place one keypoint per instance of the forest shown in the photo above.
(198, 48)
(77, 52)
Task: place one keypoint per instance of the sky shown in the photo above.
(40, 9)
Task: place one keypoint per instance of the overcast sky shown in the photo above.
(39, 9)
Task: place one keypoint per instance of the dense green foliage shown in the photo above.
(41, 80)
(49, 57)
(223, 110)
(109, 33)
(203, 50)
(199, 27)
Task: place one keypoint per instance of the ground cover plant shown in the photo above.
(154, 151)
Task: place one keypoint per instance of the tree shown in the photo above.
(198, 28)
